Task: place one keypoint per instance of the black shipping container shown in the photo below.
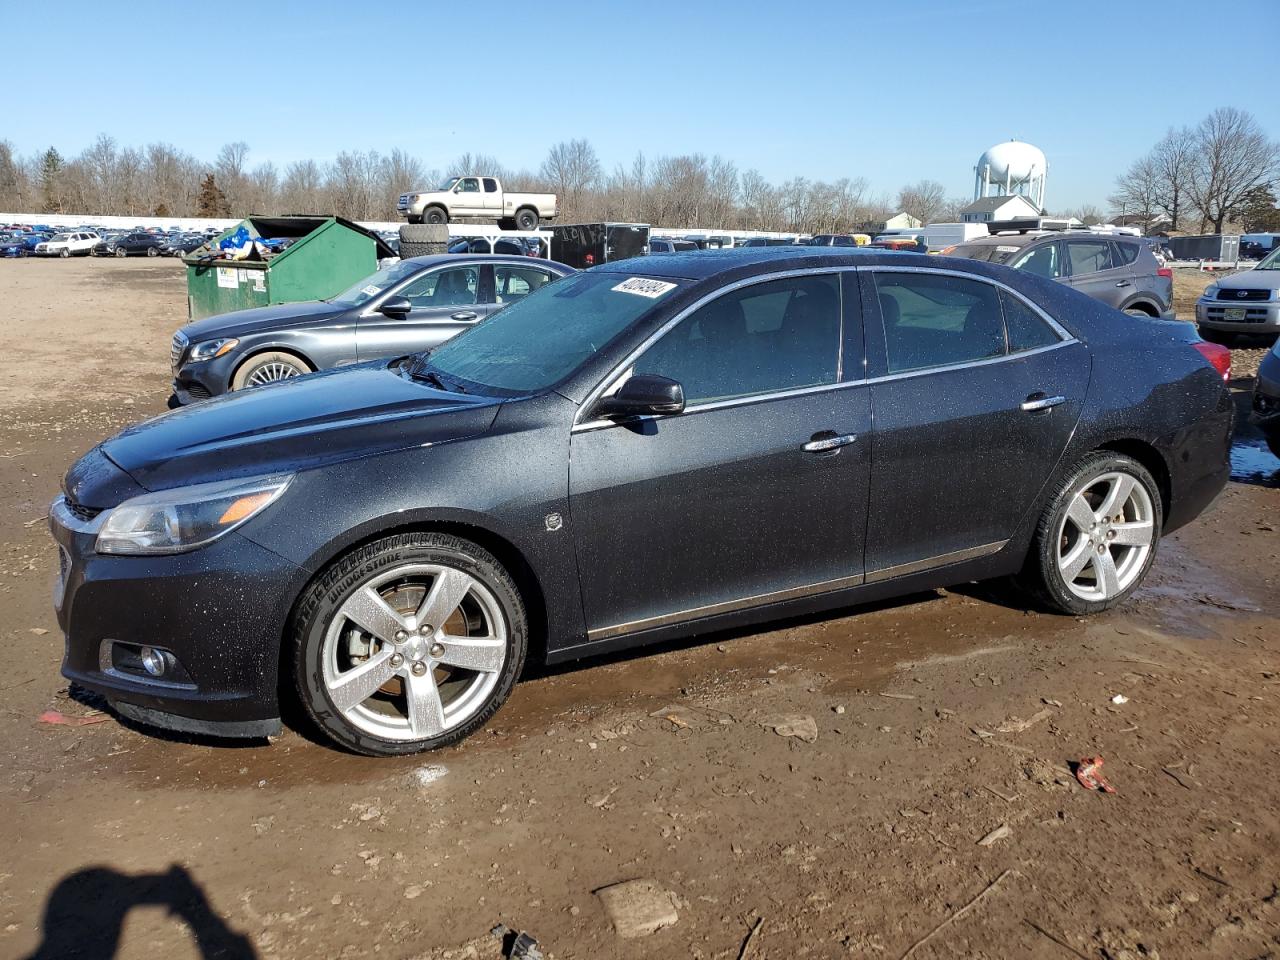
(1218, 247)
(583, 245)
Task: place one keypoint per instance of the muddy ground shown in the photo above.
(942, 719)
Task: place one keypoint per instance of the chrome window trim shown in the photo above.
(619, 373)
(795, 593)
(1057, 328)
(614, 377)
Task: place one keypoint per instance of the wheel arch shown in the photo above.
(1154, 462)
(502, 548)
(260, 348)
(1145, 304)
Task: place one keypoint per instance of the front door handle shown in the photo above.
(465, 315)
(828, 440)
(1039, 401)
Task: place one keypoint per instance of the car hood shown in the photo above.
(296, 424)
(275, 317)
(1251, 280)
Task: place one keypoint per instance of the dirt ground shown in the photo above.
(935, 815)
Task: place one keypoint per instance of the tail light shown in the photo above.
(1166, 272)
(1219, 357)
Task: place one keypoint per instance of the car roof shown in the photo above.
(435, 259)
(701, 264)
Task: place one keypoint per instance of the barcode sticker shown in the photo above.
(644, 287)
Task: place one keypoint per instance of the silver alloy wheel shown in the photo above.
(271, 372)
(1105, 536)
(414, 651)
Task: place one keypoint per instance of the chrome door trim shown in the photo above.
(794, 593)
(1044, 403)
(929, 563)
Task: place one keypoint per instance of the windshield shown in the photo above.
(447, 185)
(990, 252)
(541, 339)
(1270, 262)
(370, 287)
(62, 236)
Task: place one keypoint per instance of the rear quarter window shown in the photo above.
(1126, 253)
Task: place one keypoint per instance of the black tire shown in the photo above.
(422, 240)
(348, 574)
(262, 361)
(121, 252)
(152, 252)
(64, 252)
(506, 223)
(1041, 576)
(413, 218)
(435, 215)
(1139, 312)
(527, 219)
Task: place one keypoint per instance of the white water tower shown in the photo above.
(1009, 168)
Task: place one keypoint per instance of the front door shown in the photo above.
(757, 492)
(443, 304)
(975, 397)
(469, 202)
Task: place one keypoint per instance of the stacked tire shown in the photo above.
(423, 239)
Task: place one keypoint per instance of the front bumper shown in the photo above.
(1248, 316)
(193, 382)
(1265, 404)
(219, 610)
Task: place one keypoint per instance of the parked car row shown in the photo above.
(25, 240)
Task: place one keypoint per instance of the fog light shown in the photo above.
(153, 661)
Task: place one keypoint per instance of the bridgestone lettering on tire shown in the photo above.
(408, 643)
(1097, 537)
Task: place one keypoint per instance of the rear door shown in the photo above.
(443, 303)
(970, 418)
(1092, 269)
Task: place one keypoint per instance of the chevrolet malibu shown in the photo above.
(654, 448)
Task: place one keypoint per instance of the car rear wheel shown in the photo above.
(1097, 537)
(269, 367)
(527, 219)
(408, 643)
(152, 252)
(1139, 312)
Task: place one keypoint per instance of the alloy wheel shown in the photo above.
(272, 372)
(414, 652)
(1105, 536)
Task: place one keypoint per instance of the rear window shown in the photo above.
(1128, 252)
(990, 252)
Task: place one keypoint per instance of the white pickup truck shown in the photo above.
(481, 197)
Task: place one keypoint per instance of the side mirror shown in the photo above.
(645, 394)
(395, 307)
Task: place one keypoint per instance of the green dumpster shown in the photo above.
(325, 256)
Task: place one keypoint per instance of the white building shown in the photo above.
(1012, 207)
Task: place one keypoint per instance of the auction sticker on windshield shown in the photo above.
(644, 287)
(371, 290)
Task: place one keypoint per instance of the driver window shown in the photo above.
(443, 288)
(779, 335)
(469, 185)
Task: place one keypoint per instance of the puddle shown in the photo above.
(1252, 462)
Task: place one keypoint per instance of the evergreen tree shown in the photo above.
(50, 174)
(211, 202)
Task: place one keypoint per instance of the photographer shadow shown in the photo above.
(86, 911)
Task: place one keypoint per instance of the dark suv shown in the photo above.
(1122, 272)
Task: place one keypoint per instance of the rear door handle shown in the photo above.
(1123, 283)
(465, 315)
(1038, 401)
(828, 440)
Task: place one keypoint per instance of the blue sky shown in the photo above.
(891, 91)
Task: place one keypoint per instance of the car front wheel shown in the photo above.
(1097, 536)
(64, 252)
(408, 643)
(268, 367)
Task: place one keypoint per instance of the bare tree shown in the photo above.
(301, 188)
(1233, 156)
(1138, 190)
(573, 169)
(14, 186)
(230, 169)
(1173, 163)
(923, 200)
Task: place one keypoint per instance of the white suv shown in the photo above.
(68, 244)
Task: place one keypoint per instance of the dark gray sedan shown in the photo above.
(404, 308)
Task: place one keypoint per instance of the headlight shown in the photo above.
(212, 348)
(174, 521)
(1210, 292)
